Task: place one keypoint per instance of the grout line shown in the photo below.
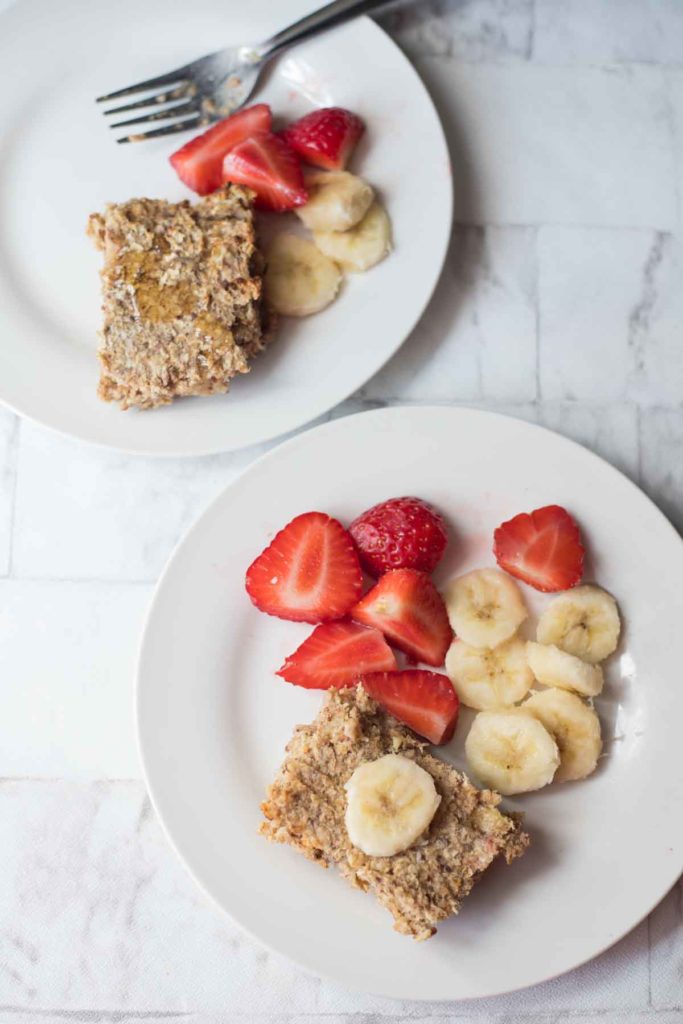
(492, 405)
(533, 27)
(639, 444)
(351, 1017)
(669, 229)
(537, 314)
(517, 60)
(81, 580)
(649, 960)
(14, 463)
(85, 781)
(93, 1016)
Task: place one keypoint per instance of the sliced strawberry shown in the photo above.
(309, 572)
(337, 654)
(199, 163)
(425, 701)
(402, 533)
(543, 548)
(271, 168)
(325, 137)
(406, 606)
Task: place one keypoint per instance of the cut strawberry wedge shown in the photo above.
(326, 137)
(271, 168)
(309, 573)
(543, 548)
(337, 654)
(199, 163)
(406, 606)
(424, 701)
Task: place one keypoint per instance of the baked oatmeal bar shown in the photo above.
(181, 296)
(306, 804)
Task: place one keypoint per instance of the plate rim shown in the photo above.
(317, 410)
(256, 465)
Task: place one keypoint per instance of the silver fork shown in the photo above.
(219, 83)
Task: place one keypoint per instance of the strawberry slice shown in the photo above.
(271, 168)
(325, 137)
(543, 548)
(337, 654)
(199, 163)
(309, 572)
(406, 606)
(424, 701)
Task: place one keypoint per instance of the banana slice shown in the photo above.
(363, 245)
(553, 667)
(583, 621)
(485, 607)
(299, 280)
(390, 803)
(337, 201)
(575, 727)
(487, 678)
(511, 751)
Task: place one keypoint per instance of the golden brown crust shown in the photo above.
(182, 296)
(425, 884)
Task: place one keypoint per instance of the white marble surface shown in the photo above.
(561, 303)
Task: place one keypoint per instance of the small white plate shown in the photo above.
(213, 719)
(59, 162)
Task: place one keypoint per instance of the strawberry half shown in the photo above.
(199, 163)
(543, 548)
(402, 533)
(406, 606)
(309, 572)
(424, 701)
(326, 137)
(337, 654)
(271, 168)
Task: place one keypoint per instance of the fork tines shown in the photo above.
(179, 75)
(169, 129)
(183, 89)
(179, 109)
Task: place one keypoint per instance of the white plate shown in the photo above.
(58, 162)
(213, 719)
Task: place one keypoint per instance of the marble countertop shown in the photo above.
(561, 302)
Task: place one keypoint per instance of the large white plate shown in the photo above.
(213, 719)
(59, 162)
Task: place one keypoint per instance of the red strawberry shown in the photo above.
(271, 168)
(309, 572)
(337, 654)
(406, 606)
(402, 533)
(325, 137)
(199, 163)
(543, 548)
(425, 701)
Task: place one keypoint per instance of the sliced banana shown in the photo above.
(554, 667)
(299, 279)
(485, 607)
(583, 621)
(337, 200)
(511, 751)
(575, 727)
(362, 246)
(486, 678)
(390, 803)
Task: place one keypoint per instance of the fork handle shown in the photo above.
(326, 17)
